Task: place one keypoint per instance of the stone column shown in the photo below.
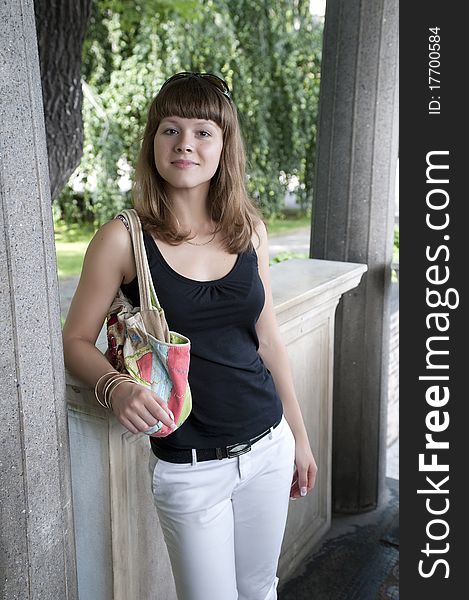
(353, 221)
(37, 556)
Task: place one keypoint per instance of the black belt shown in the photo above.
(179, 455)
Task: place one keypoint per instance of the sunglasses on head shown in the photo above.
(213, 79)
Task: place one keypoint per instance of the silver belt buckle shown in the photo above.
(237, 449)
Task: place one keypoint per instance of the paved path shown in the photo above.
(357, 559)
(296, 241)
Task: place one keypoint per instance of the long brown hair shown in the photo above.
(193, 97)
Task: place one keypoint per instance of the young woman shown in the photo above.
(222, 481)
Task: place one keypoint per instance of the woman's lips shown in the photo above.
(183, 164)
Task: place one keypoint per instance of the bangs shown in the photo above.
(192, 98)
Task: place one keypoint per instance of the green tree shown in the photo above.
(269, 53)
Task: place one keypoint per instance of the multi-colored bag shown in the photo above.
(140, 342)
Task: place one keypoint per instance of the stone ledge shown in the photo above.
(311, 282)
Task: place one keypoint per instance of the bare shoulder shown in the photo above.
(112, 232)
(259, 237)
(112, 243)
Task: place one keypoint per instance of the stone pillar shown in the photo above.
(37, 556)
(353, 221)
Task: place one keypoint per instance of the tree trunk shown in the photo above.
(61, 28)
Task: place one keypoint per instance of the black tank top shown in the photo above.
(233, 393)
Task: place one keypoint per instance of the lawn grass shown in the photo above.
(70, 257)
(287, 224)
(70, 246)
(71, 241)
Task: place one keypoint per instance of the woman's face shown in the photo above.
(187, 151)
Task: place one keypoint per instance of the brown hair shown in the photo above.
(193, 97)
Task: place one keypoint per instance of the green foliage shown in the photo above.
(269, 53)
(396, 239)
(395, 250)
(282, 256)
(74, 232)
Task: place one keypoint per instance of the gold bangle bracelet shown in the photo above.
(113, 386)
(119, 377)
(98, 382)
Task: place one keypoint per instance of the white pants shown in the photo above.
(224, 520)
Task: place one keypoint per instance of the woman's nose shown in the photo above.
(184, 145)
(183, 148)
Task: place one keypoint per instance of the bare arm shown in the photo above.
(108, 262)
(274, 355)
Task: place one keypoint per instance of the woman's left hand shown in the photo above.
(305, 472)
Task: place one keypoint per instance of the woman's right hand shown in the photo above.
(138, 409)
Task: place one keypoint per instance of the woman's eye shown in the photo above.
(171, 131)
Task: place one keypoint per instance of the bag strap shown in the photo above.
(148, 297)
